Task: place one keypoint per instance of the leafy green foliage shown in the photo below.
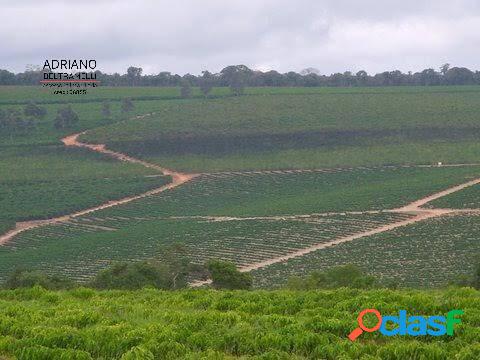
(226, 276)
(206, 324)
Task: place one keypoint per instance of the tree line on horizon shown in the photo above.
(239, 76)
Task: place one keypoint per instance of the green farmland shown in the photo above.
(277, 170)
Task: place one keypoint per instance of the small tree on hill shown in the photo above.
(127, 105)
(106, 112)
(131, 276)
(206, 83)
(185, 89)
(226, 276)
(237, 84)
(66, 118)
(35, 111)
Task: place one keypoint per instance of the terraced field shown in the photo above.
(426, 254)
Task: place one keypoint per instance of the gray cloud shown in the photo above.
(190, 36)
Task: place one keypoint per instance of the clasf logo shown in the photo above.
(412, 325)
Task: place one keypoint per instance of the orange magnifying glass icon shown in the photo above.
(361, 327)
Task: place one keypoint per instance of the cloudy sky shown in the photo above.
(190, 35)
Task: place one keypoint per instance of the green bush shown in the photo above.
(21, 278)
(339, 276)
(130, 276)
(226, 276)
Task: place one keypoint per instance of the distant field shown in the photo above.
(21, 94)
(427, 254)
(150, 324)
(321, 129)
(43, 182)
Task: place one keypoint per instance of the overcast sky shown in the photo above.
(191, 35)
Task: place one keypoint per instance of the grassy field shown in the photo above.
(148, 324)
(431, 253)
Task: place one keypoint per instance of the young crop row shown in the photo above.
(79, 248)
(468, 198)
(426, 254)
(150, 324)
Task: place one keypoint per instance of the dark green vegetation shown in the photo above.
(148, 324)
(426, 254)
(305, 131)
(225, 275)
(350, 276)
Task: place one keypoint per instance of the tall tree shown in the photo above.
(66, 118)
(206, 83)
(106, 112)
(185, 89)
(127, 105)
(35, 111)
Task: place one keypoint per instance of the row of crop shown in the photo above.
(426, 254)
(468, 198)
